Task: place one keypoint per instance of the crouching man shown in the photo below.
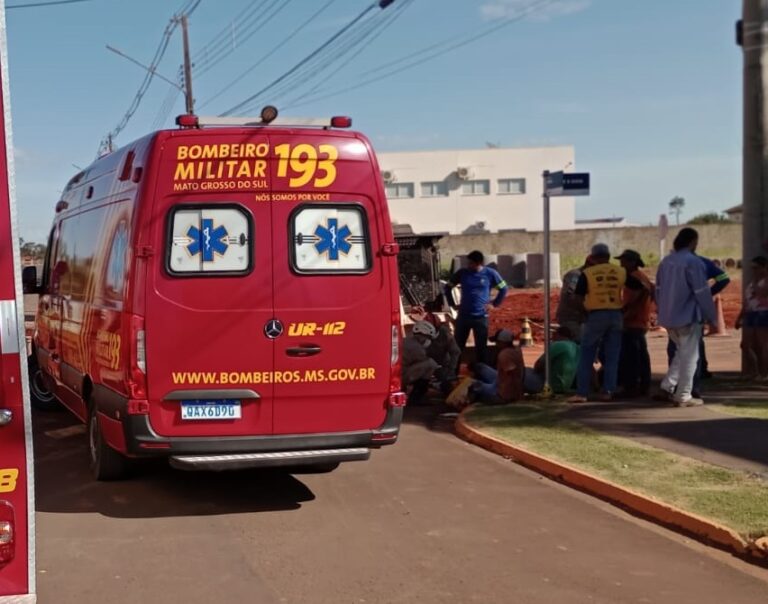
(418, 367)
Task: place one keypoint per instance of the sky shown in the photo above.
(648, 93)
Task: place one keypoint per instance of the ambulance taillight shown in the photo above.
(7, 533)
(396, 396)
(137, 378)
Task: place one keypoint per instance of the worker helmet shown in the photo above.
(425, 328)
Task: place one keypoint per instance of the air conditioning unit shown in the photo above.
(387, 176)
(464, 173)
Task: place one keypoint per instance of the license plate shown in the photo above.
(210, 410)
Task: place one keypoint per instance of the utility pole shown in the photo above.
(752, 36)
(187, 66)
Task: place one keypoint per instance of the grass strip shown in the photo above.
(757, 409)
(735, 499)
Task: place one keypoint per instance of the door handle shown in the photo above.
(306, 350)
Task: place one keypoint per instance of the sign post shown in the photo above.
(663, 230)
(17, 551)
(556, 184)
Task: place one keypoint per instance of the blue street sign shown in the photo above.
(560, 184)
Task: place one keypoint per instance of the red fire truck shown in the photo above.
(17, 576)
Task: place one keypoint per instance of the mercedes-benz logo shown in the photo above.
(273, 329)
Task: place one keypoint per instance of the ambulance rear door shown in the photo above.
(209, 292)
(331, 289)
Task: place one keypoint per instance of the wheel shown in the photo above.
(106, 463)
(41, 396)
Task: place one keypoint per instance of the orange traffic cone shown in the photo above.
(526, 335)
(721, 329)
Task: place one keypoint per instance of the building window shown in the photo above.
(511, 186)
(434, 189)
(476, 187)
(400, 190)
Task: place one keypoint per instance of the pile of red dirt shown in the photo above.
(529, 303)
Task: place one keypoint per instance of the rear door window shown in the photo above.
(329, 239)
(210, 240)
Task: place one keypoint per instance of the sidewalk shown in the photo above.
(738, 443)
(701, 433)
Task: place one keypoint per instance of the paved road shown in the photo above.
(431, 519)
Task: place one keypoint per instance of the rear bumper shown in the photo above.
(264, 451)
(239, 461)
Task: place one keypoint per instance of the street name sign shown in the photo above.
(560, 184)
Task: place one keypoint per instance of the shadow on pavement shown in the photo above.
(695, 432)
(430, 416)
(154, 490)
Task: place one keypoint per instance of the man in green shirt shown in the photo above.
(563, 363)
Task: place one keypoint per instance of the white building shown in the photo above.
(475, 190)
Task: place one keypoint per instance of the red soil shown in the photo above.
(529, 303)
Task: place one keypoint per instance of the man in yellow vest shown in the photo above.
(601, 287)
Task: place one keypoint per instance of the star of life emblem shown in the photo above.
(332, 239)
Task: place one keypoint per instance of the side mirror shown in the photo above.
(29, 280)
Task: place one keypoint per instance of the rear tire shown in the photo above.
(106, 463)
(41, 396)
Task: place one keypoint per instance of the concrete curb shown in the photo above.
(701, 529)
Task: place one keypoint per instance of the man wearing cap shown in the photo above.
(476, 282)
(418, 368)
(505, 383)
(600, 286)
(635, 362)
(684, 301)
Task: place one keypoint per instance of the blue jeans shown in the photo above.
(601, 327)
(479, 327)
(485, 386)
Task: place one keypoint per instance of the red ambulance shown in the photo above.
(225, 295)
(17, 559)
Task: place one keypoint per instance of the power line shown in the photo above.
(274, 49)
(187, 8)
(522, 14)
(168, 104)
(51, 3)
(259, 24)
(144, 86)
(382, 27)
(312, 55)
(229, 32)
(315, 67)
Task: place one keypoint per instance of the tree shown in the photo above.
(32, 250)
(676, 205)
(710, 218)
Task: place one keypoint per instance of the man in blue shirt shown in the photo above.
(476, 283)
(684, 301)
(719, 280)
